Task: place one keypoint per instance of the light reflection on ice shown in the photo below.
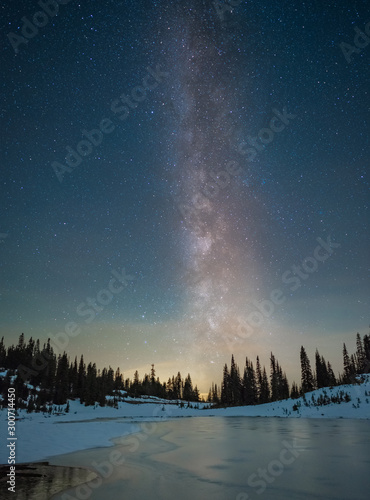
(240, 458)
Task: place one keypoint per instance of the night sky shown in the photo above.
(184, 180)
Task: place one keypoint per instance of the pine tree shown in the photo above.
(36, 350)
(61, 391)
(81, 379)
(308, 384)
(211, 393)
(249, 385)
(91, 385)
(225, 387)
(164, 390)
(366, 343)
(152, 375)
(196, 396)
(118, 380)
(258, 379)
(284, 390)
(73, 379)
(273, 379)
(102, 387)
(135, 388)
(235, 383)
(331, 377)
(349, 370)
(295, 393)
(322, 376)
(169, 388)
(35, 378)
(265, 388)
(188, 393)
(178, 386)
(50, 371)
(361, 356)
(216, 396)
(354, 364)
(20, 351)
(29, 352)
(110, 381)
(21, 344)
(2, 353)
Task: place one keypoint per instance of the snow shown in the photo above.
(41, 436)
(358, 407)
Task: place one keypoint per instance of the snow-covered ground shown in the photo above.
(41, 436)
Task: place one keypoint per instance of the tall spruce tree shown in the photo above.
(62, 387)
(307, 379)
(216, 396)
(2, 353)
(249, 385)
(110, 381)
(235, 383)
(188, 393)
(46, 378)
(178, 386)
(73, 379)
(284, 390)
(273, 379)
(258, 378)
(294, 393)
(360, 354)
(225, 387)
(265, 388)
(366, 343)
(349, 368)
(118, 380)
(81, 379)
(91, 387)
(331, 377)
(322, 376)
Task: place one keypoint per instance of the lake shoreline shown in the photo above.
(43, 480)
(41, 436)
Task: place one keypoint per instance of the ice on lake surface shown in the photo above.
(232, 458)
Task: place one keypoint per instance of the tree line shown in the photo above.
(59, 379)
(254, 386)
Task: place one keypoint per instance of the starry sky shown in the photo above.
(185, 180)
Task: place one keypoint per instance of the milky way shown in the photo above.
(217, 261)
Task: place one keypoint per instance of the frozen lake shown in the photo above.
(231, 458)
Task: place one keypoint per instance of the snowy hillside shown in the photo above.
(321, 403)
(41, 436)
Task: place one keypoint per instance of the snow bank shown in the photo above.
(357, 407)
(40, 436)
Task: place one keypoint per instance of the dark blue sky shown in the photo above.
(217, 170)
